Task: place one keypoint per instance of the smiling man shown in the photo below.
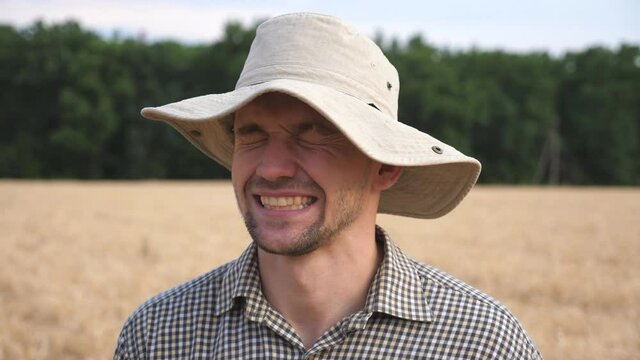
(316, 151)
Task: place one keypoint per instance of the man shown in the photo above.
(315, 150)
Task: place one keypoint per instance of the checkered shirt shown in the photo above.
(412, 311)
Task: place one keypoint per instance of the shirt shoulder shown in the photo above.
(465, 313)
(205, 287)
(197, 296)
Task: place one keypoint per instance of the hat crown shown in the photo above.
(323, 50)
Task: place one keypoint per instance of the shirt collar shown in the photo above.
(242, 282)
(397, 289)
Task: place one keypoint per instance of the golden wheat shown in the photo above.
(77, 258)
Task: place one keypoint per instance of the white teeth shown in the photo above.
(286, 202)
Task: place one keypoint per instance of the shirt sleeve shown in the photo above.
(131, 343)
(121, 352)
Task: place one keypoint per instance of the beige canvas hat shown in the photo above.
(347, 79)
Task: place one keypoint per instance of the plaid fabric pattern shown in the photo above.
(412, 311)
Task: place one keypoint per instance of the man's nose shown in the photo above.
(278, 160)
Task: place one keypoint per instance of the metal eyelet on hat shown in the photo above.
(436, 149)
(389, 86)
(196, 133)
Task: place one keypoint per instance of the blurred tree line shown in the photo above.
(70, 102)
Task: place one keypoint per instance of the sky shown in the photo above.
(555, 26)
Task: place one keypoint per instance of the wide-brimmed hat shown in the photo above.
(348, 80)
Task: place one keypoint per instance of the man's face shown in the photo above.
(298, 180)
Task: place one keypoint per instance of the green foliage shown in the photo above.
(600, 108)
(71, 101)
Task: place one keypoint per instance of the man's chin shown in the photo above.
(286, 243)
(286, 238)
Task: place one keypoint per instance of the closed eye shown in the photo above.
(249, 134)
(318, 133)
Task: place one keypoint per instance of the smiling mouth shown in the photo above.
(285, 202)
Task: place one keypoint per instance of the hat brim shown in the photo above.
(436, 177)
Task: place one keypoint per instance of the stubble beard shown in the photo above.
(348, 207)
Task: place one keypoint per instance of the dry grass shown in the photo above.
(77, 258)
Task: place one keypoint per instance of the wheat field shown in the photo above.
(77, 258)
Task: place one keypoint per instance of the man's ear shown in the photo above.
(387, 176)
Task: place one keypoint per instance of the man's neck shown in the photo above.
(315, 291)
